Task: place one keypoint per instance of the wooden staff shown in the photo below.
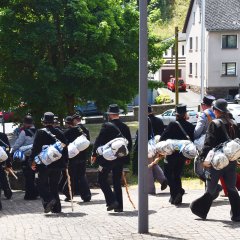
(69, 187)
(12, 172)
(126, 187)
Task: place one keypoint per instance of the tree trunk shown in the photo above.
(70, 101)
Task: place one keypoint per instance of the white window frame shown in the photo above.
(225, 75)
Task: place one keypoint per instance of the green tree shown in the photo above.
(55, 54)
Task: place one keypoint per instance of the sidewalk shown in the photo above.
(25, 220)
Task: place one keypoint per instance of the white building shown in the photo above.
(222, 53)
(168, 68)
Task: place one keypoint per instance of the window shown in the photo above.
(196, 44)
(229, 41)
(173, 50)
(190, 68)
(194, 15)
(190, 44)
(183, 50)
(196, 69)
(200, 17)
(229, 69)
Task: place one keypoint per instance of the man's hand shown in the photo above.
(93, 160)
(206, 164)
(34, 166)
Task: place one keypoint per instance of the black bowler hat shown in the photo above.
(68, 120)
(113, 109)
(221, 105)
(48, 117)
(150, 109)
(56, 120)
(28, 119)
(181, 109)
(208, 100)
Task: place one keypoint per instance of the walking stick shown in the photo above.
(11, 172)
(126, 187)
(69, 187)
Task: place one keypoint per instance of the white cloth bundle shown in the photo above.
(165, 147)
(3, 155)
(50, 153)
(27, 150)
(114, 149)
(189, 151)
(78, 145)
(200, 142)
(232, 149)
(152, 151)
(81, 143)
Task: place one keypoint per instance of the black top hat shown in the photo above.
(150, 109)
(208, 100)
(28, 119)
(68, 119)
(221, 105)
(181, 109)
(113, 109)
(48, 117)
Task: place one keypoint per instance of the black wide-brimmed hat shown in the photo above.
(181, 109)
(113, 109)
(48, 117)
(221, 105)
(28, 119)
(68, 120)
(208, 100)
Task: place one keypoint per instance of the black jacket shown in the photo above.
(155, 125)
(215, 135)
(108, 133)
(4, 142)
(173, 131)
(71, 134)
(42, 138)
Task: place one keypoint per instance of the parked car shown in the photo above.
(89, 109)
(234, 109)
(181, 85)
(170, 116)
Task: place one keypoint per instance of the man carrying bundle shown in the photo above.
(112, 130)
(77, 164)
(49, 172)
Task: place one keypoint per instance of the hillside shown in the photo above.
(177, 14)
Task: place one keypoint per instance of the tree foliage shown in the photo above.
(56, 53)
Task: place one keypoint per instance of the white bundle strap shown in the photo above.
(80, 144)
(3, 155)
(50, 153)
(114, 149)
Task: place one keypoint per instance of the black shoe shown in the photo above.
(235, 219)
(50, 206)
(118, 210)
(87, 199)
(178, 199)
(8, 193)
(164, 185)
(112, 206)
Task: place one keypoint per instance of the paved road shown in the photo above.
(22, 220)
(189, 98)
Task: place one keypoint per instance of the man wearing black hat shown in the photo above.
(49, 175)
(77, 165)
(205, 118)
(174, 164)
(25, 138)
(4, 182)
(219, 131)
(109, 131)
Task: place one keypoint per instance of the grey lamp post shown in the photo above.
(143, 121)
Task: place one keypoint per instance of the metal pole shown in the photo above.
(143, 121)
(3, 123)
(176, 66)
(203, 50)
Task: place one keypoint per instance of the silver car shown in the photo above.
(170, 116)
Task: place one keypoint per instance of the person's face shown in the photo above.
(203, 106)
(217, 113)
